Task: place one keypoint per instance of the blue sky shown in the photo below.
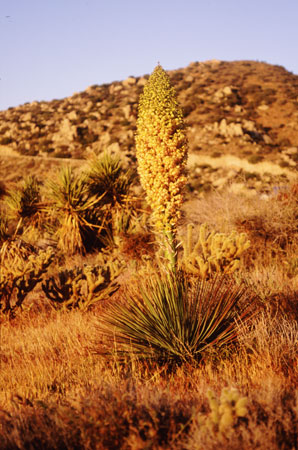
(53, 48)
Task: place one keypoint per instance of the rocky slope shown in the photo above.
(242, 122)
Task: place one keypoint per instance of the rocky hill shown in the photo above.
(242, 122)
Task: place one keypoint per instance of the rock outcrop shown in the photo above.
(246, 109)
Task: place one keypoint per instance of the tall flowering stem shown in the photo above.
(161, 148)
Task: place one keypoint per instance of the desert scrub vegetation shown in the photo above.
(108, 179)
(213, 252)
(21, 270)
(25, 204)
(173, 317)
(74, 209)
(170, 318)
(81, 206)
(176, 358)
(82, 287)
(66, 221)
(57, 393)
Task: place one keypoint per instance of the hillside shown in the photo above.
(241, 117)
(119, 330)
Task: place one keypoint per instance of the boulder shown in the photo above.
(142, 81)
(126, 111)
(227, 91)
(129, 81)
(66, 133)
(26, 117)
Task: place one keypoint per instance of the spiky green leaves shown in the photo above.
(107, 178)
(167, 318)
(161, 147)
(72, 205)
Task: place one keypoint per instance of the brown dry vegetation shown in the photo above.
(57, 391)
(58, 388)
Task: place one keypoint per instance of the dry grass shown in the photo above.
(56, 392)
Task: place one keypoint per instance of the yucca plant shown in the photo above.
(25, 203)
(109, 181)
(77, 212)
(161, 149)
(169, 318)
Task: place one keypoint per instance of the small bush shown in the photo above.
(213, 252)
(254, 159)
(21, 271)
(81, 287)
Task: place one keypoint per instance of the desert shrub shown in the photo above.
(111, 184)
(188, 108)
(225, 412)
(25, 204)
(21, 270)
(2, 189)
(62, 152)
(254, 159)
(3, 228)
(81, 287)
(122, 223)
(110, 417)
(108, 180)
(78, 214)
(85, 136)
(213, 252)
(6, 140)
(170, 318)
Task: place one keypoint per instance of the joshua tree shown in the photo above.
(161, 147)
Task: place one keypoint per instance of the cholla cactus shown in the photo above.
(19, 274)
(81, 287)
(225, 411)
(161, 148)
(213, 252)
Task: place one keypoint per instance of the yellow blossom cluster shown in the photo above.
(161, 147)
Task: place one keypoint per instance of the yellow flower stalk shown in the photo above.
(161, 148)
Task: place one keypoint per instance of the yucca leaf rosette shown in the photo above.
(161, 148)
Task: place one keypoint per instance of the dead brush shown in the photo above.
(128, 232)
(272, 341)
(2, 189)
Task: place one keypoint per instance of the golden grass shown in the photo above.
(57, 392)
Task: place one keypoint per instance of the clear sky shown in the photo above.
(53, 48)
